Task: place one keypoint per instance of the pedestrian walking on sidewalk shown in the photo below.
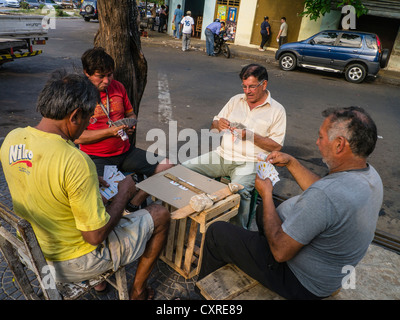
(178, 15)
(265, 33)
(163, 19)
(187, 28)
(282, 35)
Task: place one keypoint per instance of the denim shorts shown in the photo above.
(125, 244)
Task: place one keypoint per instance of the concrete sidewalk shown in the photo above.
(242, 52)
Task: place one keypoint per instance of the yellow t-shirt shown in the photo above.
(55, 187)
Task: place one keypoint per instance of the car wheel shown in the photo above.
(87, 19)
(89, 9)
(355, 73)
(384, 58)
(287, 61)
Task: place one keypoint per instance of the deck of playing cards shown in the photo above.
(112, 176)
(237, 125)
(130, 122)
(267, 170)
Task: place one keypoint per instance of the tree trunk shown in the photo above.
(119, 35)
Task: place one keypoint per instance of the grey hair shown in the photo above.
(63, 93)
(354, 124)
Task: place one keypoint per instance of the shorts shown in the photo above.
(134, 160)
(125, 244)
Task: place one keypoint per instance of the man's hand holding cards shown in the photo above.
(112, 176)
(267, 170)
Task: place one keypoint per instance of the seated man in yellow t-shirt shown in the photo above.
(56, 188)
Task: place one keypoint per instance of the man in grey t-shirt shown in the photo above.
(304, 245)
(282, 35)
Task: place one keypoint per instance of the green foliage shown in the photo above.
(316, 8)
(24, 5)
(61, 13)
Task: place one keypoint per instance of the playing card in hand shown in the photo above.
(267, 170)
(130, 122)
(112, 176)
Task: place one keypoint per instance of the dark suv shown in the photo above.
(355, 53)
(89, 10)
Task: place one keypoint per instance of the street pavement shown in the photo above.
(246, 53)
(378, 276)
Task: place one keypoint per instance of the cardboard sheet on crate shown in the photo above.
(175, 194)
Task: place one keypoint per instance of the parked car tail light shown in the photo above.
(379, 44)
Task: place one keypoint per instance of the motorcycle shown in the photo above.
(220, 45)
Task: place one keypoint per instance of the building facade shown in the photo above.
(244, 17)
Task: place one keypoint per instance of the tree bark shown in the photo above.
(119, 35)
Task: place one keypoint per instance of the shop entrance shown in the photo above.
(227, 11)
(197, 8)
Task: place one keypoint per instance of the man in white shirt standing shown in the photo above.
(187, 29)
(250, 123)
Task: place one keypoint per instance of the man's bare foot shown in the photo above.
(101, 288)
(147, 294)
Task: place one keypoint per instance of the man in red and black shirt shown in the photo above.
(102, 140)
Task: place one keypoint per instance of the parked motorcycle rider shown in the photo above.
(211, 30)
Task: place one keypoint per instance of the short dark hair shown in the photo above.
(356, 125)
(97, 59)
(63, 93)
(255, 70)
(266, 18)
(284, 18)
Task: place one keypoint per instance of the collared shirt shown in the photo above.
(267, 120)
(215, 27)
(120, 106)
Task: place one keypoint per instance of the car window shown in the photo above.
(350, 40)
(326, 38)
(371, 42)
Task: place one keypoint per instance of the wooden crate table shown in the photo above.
(183, 251)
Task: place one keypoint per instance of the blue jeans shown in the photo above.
(244, 173)
(209, 42)
(176, 31)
